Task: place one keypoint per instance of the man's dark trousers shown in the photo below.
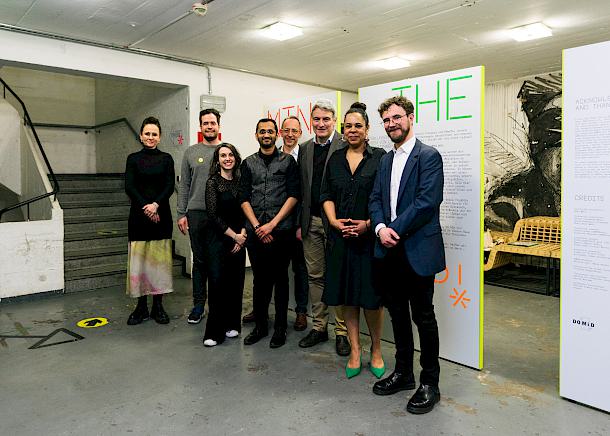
(206, 263)
(417, 292)
(270, 269)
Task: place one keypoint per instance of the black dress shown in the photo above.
(349, 261)
(149, 177)
(224, 211)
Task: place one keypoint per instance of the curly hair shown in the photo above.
(215, 165)
(398, 100)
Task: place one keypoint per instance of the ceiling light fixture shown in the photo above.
(281, 31)
(529, 32)
(393, 63)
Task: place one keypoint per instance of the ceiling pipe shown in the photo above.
(133, 50)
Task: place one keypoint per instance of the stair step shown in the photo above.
(86, 181)
(110, 240)
(95, 283)
(105, 210)
(96, 218)
(87, 204)
(76, 253)
(88, 197)
(82, 262)
(97, 234)
(118, 224)
(91, 189)
(95, 270)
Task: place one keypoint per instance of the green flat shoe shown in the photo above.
(352, 372)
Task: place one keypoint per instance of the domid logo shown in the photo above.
(584, 323)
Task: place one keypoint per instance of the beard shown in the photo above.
(210, 137)
(266, 146)
(402, 136)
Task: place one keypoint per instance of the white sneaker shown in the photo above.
(232, 334)
(210, 343)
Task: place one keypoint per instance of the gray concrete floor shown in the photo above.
(152, 379)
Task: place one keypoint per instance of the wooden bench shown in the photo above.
(544, 232)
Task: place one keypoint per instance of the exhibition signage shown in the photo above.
(300, 107)
(585, 247)
(449, 117)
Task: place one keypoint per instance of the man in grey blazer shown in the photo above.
(313, 156)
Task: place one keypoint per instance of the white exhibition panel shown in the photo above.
(300, 107)
(585, 261)
(449, 117)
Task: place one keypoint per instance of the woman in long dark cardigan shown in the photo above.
(149, 183)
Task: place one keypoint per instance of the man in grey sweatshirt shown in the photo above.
(192, 214)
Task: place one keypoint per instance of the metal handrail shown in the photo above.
(82, 127)
(28, 121)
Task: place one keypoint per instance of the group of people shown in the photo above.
(360, 226)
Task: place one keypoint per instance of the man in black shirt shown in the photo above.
(269, 193)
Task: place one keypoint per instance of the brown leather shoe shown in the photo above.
(300, 323)
(248, 317)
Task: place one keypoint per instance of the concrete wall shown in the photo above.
(32, 252)
(136, 100)
(56, 98)
(10, 176)
(34, 180)
(31, 256)
(70, 151)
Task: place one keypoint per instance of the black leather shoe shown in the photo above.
(158, 314)
(314, 337)
(248, 317)
(396, 382)
(139, 315)
(342, 346)
(278, 339)
(255, 336)
(424, 399)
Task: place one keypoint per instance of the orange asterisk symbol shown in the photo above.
(460, 298)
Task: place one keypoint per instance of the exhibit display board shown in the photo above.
(449, 116)
(585, 247)
(300, 107)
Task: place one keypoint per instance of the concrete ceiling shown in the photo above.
(341, 38)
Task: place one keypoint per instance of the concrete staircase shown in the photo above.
(96, 209)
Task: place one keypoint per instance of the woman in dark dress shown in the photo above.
(345, 193)
(149, 183)
(224, 211)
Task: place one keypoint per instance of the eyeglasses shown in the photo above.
(290, 131)
(269, 131)
(395, 118)
(325, 120)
